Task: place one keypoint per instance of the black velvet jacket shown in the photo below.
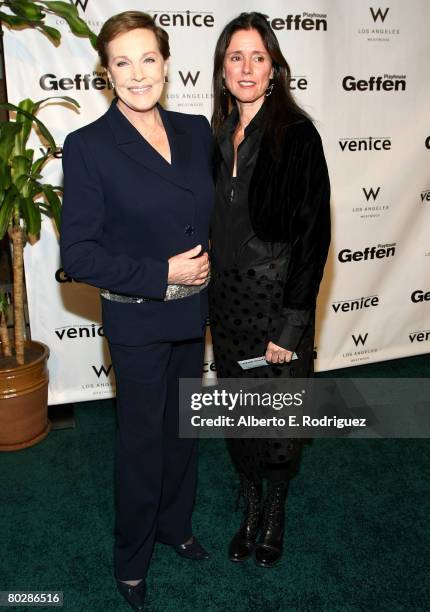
(289, 204)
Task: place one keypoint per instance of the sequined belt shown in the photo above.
(173, 292)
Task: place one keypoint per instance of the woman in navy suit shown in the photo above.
(138, 195)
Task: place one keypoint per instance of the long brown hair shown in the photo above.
(281, 106)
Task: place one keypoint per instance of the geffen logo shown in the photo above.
(387, 82)
(306, 21)
(356, 304)
(371, 209)
(73, 332)
(420, 296)
(366, 143)
(183, 19)
(79, 82)
(376, 29)
(381, 251)
(425, 195)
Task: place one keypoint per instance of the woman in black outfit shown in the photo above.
(270, 238)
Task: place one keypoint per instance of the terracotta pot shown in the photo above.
(24, 401)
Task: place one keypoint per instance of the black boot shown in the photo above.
(243, 543)
(269, 547)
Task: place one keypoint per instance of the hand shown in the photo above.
(277, 354)
(188, 269)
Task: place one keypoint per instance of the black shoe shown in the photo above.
(134, 595)
(243, 542)
(268, 550)
(193, 551)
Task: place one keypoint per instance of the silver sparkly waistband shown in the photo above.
(173, 292)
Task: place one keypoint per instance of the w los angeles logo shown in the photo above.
(378, 14)
(371, 193)
(81, 4)
(360, 339)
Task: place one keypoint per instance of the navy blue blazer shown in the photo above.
(126, 210)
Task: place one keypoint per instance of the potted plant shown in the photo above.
(24, 197)
(32, 14)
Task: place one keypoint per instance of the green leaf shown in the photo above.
(31, 213)
(21, 168)
(38, 165)
(69, 12)
(6, 211)
(26, 9)
(20, 141)
(8, 132)
(20, 165)
(12, 20)
(5, 178)
(54, 204)
(43, 129)
(53, 33)
(68, 99)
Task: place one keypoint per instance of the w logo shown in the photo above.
(359, 339)
(378, 14)
(370, 193)
(102, 370)
(189, 77)
(81, 4)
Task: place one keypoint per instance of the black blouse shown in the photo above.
(231, 225)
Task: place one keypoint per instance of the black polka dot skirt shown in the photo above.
(244, 309)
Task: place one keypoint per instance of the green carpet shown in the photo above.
(358, 529)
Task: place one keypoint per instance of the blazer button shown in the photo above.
(189, 229)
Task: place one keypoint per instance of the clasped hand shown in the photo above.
(188, 268)
(277, 354)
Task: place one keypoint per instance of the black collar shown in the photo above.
(256, 123)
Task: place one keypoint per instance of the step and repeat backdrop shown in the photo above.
(361, 70)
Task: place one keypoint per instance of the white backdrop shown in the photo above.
(361, 70)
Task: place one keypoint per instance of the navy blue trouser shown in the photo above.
(155, 470)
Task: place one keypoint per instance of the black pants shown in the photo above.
(155, 471)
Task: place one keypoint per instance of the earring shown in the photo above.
(112, 84)
(269, 89)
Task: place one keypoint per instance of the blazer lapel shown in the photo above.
(133, 144)
(180, 148)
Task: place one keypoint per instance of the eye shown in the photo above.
(149, 60)
(259, 58)
(121, 63)
(235, 58)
